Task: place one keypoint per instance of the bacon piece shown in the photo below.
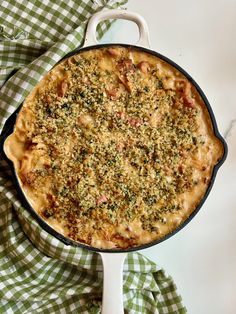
(144, 66)
(113, 52)
(188, 101)
(112, 93)
(132, 121)
(101, 199)
(126, 65)
(124, 80)
(135, 122)
(185, 89)
(61, 88)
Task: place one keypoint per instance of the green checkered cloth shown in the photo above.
(39, 273)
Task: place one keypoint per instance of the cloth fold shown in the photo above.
(39, 273)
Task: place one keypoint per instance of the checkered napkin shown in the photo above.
(39, 273)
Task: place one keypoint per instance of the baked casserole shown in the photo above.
(114, 148)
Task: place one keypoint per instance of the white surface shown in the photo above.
(200, 36)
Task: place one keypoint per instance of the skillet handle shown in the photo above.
(112, 296)
(90, 36)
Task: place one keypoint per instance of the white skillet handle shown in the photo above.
(112, 297)
(90, 36)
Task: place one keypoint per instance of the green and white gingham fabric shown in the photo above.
(38, 273)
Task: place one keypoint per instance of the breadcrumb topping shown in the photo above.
(116, 139)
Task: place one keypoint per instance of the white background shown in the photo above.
(201, 37)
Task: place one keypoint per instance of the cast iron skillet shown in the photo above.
(113, 263)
